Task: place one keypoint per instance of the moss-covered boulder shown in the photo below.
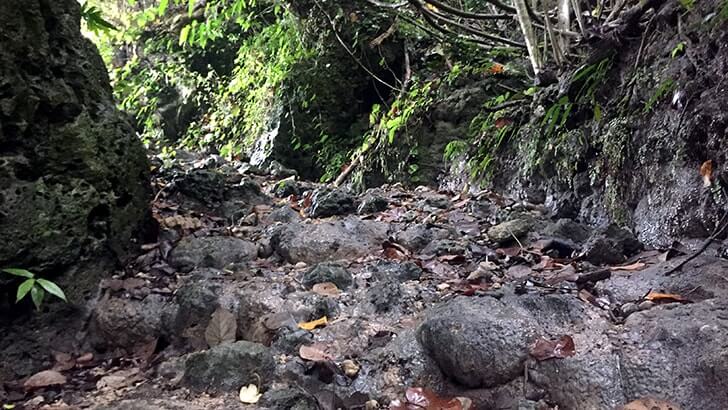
(74, 180)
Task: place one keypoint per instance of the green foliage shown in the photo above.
(488, 132)
(688, 5)
(679, 49)
(588, 79)
(723, 11)
(454, 149)
(36, 287)
(94, 19)
(665, 88)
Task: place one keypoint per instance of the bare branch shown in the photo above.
(476, 16)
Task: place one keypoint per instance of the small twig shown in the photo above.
(718, 231)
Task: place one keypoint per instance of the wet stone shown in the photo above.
(328, 272)
(214, 252)
(327, 203)
(226, 367)
(478, 342)
(371, 203)
(507, 231)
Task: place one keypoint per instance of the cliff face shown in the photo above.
(74, 177)
(662, 115)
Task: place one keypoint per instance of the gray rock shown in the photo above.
(506, 231)
(213, 251)
(438, 201)
(278, 170)
(417, 237)
(384, 296)
(611, 245)
(477, 342)
(74, 178)
(288, 398)
(331, 202)
(284, 214)
(567, 229)
(146, 404)
(120, 322)
(371, 203)
(226, 367)
(401, 271)
(287, 187)
(203, 185)
(328, 272)
(441, 247)
(331, 240)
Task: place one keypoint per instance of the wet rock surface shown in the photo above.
(351, 309)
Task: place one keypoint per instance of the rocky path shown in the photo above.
(325, 300)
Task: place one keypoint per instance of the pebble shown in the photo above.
(350, 368)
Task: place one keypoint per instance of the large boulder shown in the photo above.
(331, 240)
(74, 179)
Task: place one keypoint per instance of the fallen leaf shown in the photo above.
(519, 271)
(249, 394)
(85, 358)
(658, 297)
(417, 398)
(393, 250)
(118, 380)
(314, 323)
(183, 222)
(496, 68)
(513, 251)
(222, 328)
(649, 403)
(314, 353)
(544, 349)
(630, 268)
(326, 289)
(706, 171)
(567, 273)
(43, 379)
(452, 259)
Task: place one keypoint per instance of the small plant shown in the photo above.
(679, 49)
(688, 5)
(36, 287)
(665, 88)
(94, 19)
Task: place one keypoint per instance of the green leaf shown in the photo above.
(24, 288)
(184, 34)
(163, 4)
(37, 294)
(19, 272)
(53, 289)
(597, 112)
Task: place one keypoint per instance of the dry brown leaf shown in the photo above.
(85, 358)
(417, 398)
(706, 171)
(314, 353)
(314, 323)
(648, 403)
(658, 297)
(46, 378)
(184, 222)
(118, 380)
(222, 328)
(326, 289)
(630, 268)
(560, 348)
